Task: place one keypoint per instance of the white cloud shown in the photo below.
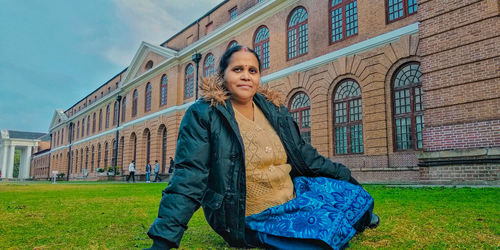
(153, 21)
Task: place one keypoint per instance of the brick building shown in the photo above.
(398, 91)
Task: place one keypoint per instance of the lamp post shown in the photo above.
(115, 155)
(196, 57)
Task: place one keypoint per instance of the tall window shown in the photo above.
(233, 13)
(208, 66)
(408, 107)
(147, 100)
(298, 43)
(83, 127)
(124, 108)
(343, 18)
(108, 111)
(300, 109)
(115, 113)
(113, 151)
(76, 162)
(99, 156)
(100, 119)
(163, 149)
(398, 9)
(86, 158)
(189, 82)
(135, 97)
(261, 45)
(348, 118)
(78, 129)
(231, 44)
(88, 125)
(134, 143)
(81, 159)
(93, 122)
(163, 90)
(106, 154)
(92, 160)
(148, 145)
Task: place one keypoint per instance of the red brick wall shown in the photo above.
(460, 53)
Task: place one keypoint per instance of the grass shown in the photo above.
(118, 215)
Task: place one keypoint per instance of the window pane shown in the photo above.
(351, 15)
(395, 9)
(419, 120)
(341, 140)
(356, 138)
(336, 24)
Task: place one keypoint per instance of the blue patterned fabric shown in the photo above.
(324, 209)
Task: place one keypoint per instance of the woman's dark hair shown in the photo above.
(226, 57)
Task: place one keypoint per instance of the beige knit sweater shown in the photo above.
(268, 180)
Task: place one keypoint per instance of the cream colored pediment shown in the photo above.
(147, 52)
(58, 118)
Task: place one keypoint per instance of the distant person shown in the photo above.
(131, 170)
(171, 167)
(157, 171)
(148, 172)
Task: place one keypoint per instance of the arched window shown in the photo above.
(88, 125)
(163, 149)
(81, 160)
(76, 162)
(86, 158)
(122, 146)
(134, 143)
(106, 155)
(148, 144)
(348, 118)
(208, 66)
(300, 109)
(343, 19)
(261, 45)
(163, 90)
(99, 156)
(189, 82)
(231, 44)
(108, 111)
(115, 113)
(147, 100)
(124, 108)
(408, 107)
(100, 119)
(83, 127)
(93, 122)
(148, 65)
(135, 97)
(113, 152)
(78, 129)
(92, 160)
(298, 43)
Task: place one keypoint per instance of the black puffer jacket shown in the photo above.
(210, 170)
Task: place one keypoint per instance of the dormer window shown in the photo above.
(233, 13)
(149, 65)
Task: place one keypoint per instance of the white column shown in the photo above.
(24, 165)
(10, 162)
(3, 159)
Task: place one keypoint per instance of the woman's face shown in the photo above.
(242, 76)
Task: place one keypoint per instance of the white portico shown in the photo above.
(10, 141)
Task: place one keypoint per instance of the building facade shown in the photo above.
(399, 91)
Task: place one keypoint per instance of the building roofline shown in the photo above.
(95, 90)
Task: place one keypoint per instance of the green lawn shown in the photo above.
(117, 216)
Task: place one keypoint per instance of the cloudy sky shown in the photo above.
(55, 52)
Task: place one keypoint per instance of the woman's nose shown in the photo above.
(245, 75)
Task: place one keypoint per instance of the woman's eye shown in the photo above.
(238, 69)
(253, 71)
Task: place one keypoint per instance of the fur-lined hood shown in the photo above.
(214, 92)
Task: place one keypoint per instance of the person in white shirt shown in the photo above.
(131, 170)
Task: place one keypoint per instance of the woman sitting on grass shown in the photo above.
(241, 157)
